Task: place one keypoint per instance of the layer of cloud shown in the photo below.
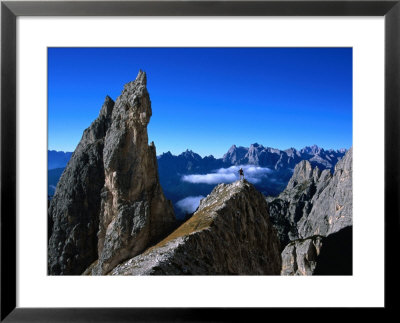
(189, 204)
(253, 174)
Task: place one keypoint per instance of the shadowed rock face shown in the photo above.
(229, 234)
(134, 211)
(74, 210)
(336, 256)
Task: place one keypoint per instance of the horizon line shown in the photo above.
(237, 146)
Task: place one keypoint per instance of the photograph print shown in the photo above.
(200, 161)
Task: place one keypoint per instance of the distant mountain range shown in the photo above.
(188, 177)
(269, 169)
(57, 159)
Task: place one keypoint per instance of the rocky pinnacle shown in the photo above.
(134, 211)
(109, 205)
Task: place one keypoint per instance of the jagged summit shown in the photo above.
(230, 233)
(141, 78)
(303, 172)
(314, 149)
(257, 154)
(190, 154)
(134, 210)
(166, 154)
(107, 108)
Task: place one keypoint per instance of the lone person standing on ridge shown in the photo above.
(241, 174)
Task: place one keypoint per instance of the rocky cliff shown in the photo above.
(318, 255)
(313, 206)
(296, 201)
(333, 206)
(109, 204)
(230, 233)
(74, 209)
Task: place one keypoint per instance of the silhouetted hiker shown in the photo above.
(241, 174)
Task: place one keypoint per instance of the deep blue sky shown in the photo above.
(206, 99)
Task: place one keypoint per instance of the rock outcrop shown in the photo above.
(300, 256)
(229, 234)
(332, 207)
(317, 255)
(134, 212)
(74, 209)
(109, 205)
(296, 201)
(313, 206)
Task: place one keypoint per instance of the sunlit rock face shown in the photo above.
(134, 211)
(333, 207)
(296, 201)
(300, 256)
(229, 234)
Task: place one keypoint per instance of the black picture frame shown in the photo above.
(10, 10)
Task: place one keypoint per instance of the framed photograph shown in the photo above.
(194, 158)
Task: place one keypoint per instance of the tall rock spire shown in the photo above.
(134, 211)
(109, 205)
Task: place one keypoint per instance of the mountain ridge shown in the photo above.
(173, 168)
(229, 234)
(289, 151)
(278, 166)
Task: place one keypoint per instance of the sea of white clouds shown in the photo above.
(253, 174)
(189, 204)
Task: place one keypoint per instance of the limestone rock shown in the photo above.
(333, 208)
(74, 209)
(317, 255)
(315, 204)
(229, 234)
(296, 200)
(134, 211)
(300, 256)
